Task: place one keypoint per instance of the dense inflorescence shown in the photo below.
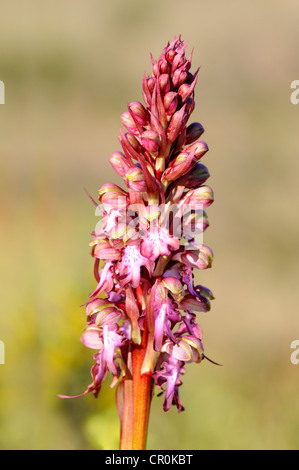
(146, 247)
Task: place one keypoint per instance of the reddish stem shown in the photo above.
(126, 432)
(137, 394)
(142, 388)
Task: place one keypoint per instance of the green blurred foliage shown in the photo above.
(69, 69)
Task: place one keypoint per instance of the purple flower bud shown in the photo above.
(190, 105)
(194, 178)
(194, 131)
(195, 304)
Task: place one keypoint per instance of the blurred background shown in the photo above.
(69, 69)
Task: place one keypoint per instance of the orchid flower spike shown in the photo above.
(142, 314)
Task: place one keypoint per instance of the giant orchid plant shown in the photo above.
(141, 317)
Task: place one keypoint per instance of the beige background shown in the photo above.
(70, 68)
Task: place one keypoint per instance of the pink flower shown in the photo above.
(158, 242)
(130, 266)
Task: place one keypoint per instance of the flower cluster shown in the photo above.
(145, 250)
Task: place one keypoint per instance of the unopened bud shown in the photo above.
(139, 113)
(205, 257)
(198, 148)
(194, 131)
(200, 257)
(164, 83)
(112, 196)
(179, 59)
(190, 105)
(151, 82)
(170, 55)
(176, 124)
(197, 176)
(104, 250)
(151, 141)
(134, 179)
(155, 69)
(190, 77)
(111, 188)
(194, 222)
(120, 163)
(195, 304)
(109, 316)
(128, 122)
(202, 196)
(186, 90)
(133, 142)
(179, 77)
(175, 286)
(164, 67)
(147, 95)
(187, 349)
(178, 167)
(170, 103)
